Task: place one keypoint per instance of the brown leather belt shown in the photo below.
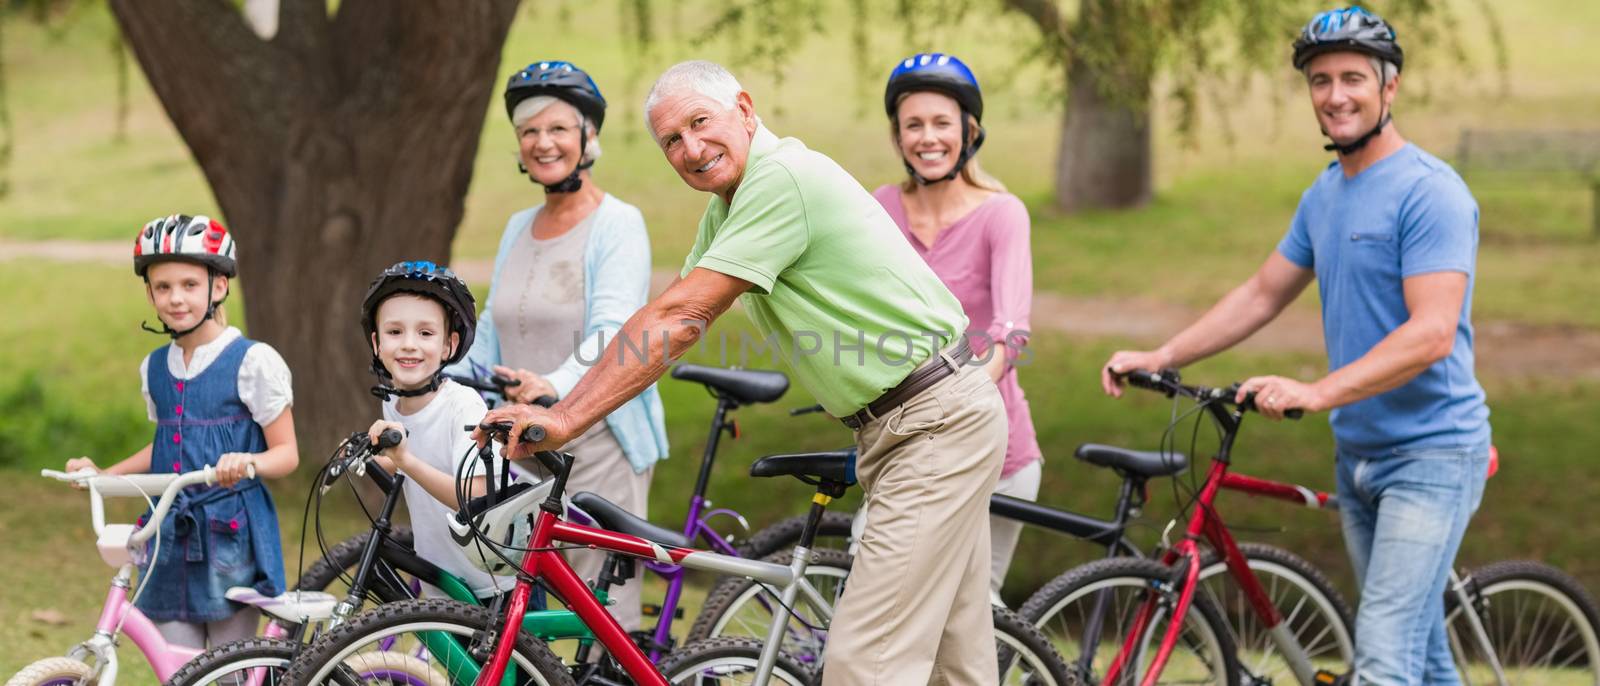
(931, 372)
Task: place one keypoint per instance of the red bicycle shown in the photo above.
(1509, 622)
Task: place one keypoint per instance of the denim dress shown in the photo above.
(213, 538)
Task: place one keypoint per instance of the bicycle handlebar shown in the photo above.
(1169, 383)
(138, 486)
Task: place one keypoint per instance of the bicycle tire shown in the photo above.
(1313, 610)
(51, 671)
(724, 612)
(1206, 655)
(1024, 654)
(784, 535)
(322, 661)
(341, 559)
(1518, 603)
(727, 656)
(271, 654)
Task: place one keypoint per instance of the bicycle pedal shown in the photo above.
(653, 610)
(1324, 677)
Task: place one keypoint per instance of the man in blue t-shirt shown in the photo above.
(1390, 233)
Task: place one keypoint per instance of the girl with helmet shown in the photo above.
(220, 400)
(418, 317)
(975, 237)
(568, 273)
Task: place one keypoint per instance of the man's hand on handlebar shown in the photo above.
(1275, 395)
(1124, 361)
(553, 424)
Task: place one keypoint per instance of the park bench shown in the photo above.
(1571, 153)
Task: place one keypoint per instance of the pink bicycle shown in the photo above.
(122, 546)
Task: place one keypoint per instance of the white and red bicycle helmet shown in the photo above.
(184, 238)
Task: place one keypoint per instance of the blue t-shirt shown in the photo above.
(1406, 215)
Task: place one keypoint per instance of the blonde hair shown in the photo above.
(971, 172)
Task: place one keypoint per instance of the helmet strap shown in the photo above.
(573, 182)
(385, 389)
(211, 311)
(967, 151)
(1359, 143)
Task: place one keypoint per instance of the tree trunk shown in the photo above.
(1105, 159)
(343, 145)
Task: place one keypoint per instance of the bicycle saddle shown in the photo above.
(743, 386)
(612, 517)
(1132, 462)
(838, 466)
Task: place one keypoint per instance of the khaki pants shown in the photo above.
(916, 607)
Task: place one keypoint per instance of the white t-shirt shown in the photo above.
(436, 435)
(264, 380)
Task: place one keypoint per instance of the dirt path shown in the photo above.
(1506, 350)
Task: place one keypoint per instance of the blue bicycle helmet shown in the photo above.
(1351, 28)
(940, 73)
(559, 79)
(564, 80)
(429, 280)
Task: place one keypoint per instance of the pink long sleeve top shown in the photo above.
(984, 259)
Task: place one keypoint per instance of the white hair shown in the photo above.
(698, 76)
(531, 107)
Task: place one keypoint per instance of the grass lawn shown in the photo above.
(72, 342)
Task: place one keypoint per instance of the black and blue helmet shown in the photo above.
(1348, 29)
(559, 79)
(424, 278)
(934, 71)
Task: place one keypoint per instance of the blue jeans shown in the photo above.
(1404, 515)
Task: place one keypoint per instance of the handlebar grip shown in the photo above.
(546, 401)
(504, 382)
(1249, 404)
(389, 439)
(533, 434)
(805, 410)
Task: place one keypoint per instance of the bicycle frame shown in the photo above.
(544, 563)
(1205, 523)
(119, 614)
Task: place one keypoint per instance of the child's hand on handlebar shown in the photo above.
(233, 468)
(394, 457)
(78, 464)
(1124, 361)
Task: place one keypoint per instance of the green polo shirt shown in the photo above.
(838, 290)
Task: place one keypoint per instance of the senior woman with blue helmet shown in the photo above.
(568, 273)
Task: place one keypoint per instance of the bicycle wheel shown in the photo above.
(253, 661)
(339, 564)
(1313, 611)
(1538, 621)
(416, 642)
(1024, 653)
(51, 671)
(740, 606)
(833, 532)
(1064, 609)
(728, 660)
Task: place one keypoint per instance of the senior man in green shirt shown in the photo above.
(870, 331)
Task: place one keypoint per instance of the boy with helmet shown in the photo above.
(219, 400)
(1390, 233)
(417, 318)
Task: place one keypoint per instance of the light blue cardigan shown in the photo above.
(616, 283)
